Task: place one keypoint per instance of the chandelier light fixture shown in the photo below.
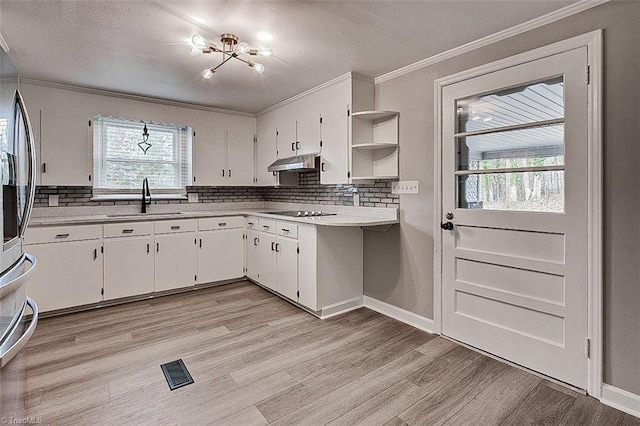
(231, 48)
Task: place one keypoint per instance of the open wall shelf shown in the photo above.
(374, 145)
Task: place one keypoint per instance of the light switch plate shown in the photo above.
(405, 187)
(53, 200)
(193, 197)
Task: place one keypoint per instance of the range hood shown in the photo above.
(299, 163)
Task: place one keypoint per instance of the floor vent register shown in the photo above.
(176, 374)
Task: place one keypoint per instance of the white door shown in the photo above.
(251, 254)
(514, 200)
(128, 267)
(220, 255)
(287, 268)
(240, 156)
(209, 156)
(267, 260)
(175, 261)
(334, 163)
(308, 134)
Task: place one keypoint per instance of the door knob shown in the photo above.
(447, 226)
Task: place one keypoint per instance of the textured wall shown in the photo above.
(309, 191)
(398, 264)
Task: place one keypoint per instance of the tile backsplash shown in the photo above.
(308, 191)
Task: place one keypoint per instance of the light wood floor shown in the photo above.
(256, 359)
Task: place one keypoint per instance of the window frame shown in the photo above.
(183, 163)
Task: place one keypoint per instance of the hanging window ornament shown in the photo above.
(145, 145)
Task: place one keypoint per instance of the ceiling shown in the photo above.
(141, 47)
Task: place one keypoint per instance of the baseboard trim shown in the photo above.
(341, 308)
(407, 317)
(620, 399)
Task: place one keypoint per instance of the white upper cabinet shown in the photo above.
(240, 156)
(334, 164)
(266, 153)
(65, 148)
(316, 122)
(308, 133)
(223, 155)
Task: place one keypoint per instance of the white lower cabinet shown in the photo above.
(128, 266)
(220, 249)
(68, 274)
(251, 254)
(287, 267)
(267, 260)
(175, 260)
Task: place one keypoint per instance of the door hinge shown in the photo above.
(195, 278)
(89, 178)
(298, 250)
(320, 144)
(587, 347)
(194, 134)
(194, 178)
(348, 174)
(102, 291)
(102, 249)
(89, 123)
(255, 139)
(298, 293)
(348, 113)
(587, 75)
(320, 120)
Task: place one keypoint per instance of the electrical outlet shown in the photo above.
(405, 187)
(356, 199)
(193, 197)
(53, 200)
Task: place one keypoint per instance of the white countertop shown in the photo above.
(340, 219)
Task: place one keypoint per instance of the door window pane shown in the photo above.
(523, 191)
(528, 103)
(514, 138)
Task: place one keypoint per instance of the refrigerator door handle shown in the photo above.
(9, 282)
(8, 353)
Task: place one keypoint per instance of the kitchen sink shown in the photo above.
(143, 214)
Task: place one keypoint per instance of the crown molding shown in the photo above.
(338, 79)
(132, 97)
(572, 9)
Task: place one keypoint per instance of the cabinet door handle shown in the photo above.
(293, 146)
(127, 231)
(229, 172)
(265, 226)
(250, 223)
(157, 247)
(273, 246)
(277, 247)
(200, 242)
(222, 223)
(222, 172)
(297, 145)
(148, 248)
(44, 167)
(285, 230)
(95, 254)
(62, 235)
(323, 167)
(175, 227)
(255, 241)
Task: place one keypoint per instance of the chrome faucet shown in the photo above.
(145, 194)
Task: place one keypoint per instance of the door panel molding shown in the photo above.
(593, 42)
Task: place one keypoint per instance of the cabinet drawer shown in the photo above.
(267, 225)
(253, 223)
(288, 229)
(128, 229)
(54, 234)
(174, 226)
(223, 222)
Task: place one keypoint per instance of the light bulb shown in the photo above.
(198, 40)
(259, 68)
(242, 47)
(267, 53)
(208, 73)
(195, 51)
